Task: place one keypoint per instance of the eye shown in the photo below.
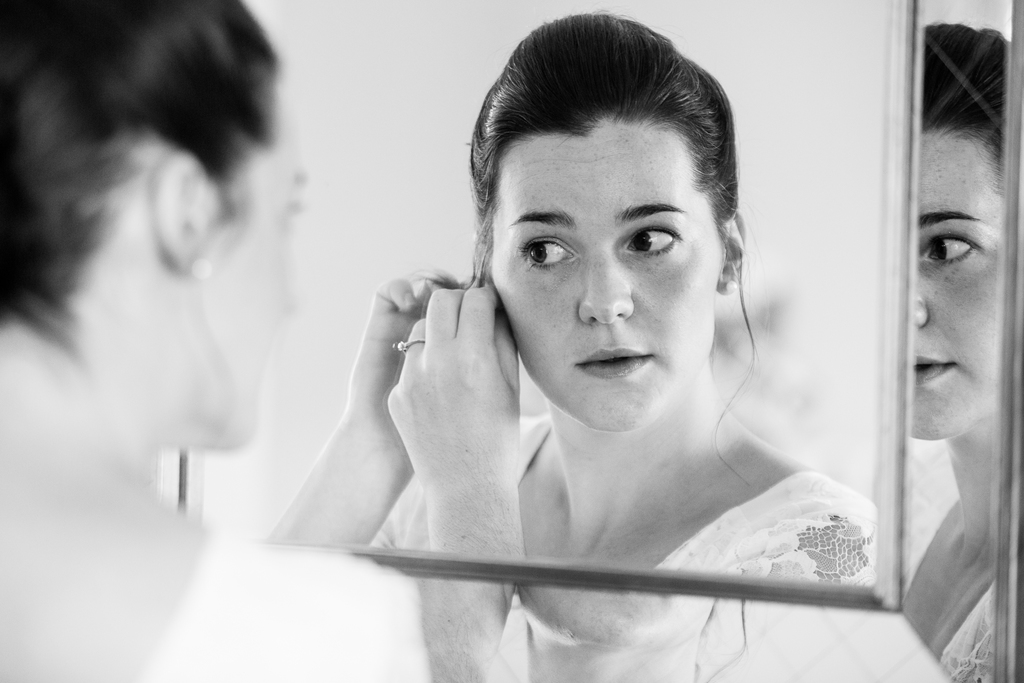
(948, 249)
(542, 253)
(652, 241)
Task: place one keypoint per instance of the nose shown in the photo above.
(920, 312)
(607, 294)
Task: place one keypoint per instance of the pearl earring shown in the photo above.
(730, 287)
(201, 269)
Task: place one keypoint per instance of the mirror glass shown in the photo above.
(949, 560)
(385, 100)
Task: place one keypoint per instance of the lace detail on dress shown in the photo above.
(968, 657)
(834, 548)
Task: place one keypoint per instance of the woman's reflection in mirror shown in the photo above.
(147, 185)
(604, 173)
(956, 312)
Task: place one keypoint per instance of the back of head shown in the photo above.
(964, 85)
(81, 81)
(569, 75)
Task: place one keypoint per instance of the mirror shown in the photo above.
(953, 467)
(386, 98)
(387, 196)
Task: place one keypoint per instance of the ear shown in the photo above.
(729, 280)
(185, 205)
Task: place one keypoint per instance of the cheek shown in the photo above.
(247, 299)
(538, 314)
(968, 307)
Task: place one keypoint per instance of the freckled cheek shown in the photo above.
(681, 298)
(540, 313)
(967, 309)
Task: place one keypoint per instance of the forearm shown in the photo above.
(464, 621)
(351, 490)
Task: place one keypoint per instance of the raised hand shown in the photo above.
(364, 467)
(457, 409)
(457, 403)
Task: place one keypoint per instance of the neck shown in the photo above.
(973, 457)
(60, 421)
(610, 470)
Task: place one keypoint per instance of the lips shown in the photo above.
(612, 363)
(928, 369)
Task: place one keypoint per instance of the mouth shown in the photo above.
(927, 369)
(612, 363)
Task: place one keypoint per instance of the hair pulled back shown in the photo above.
(964, 85)
(571, 74)
(80, 82)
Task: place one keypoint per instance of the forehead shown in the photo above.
(613, 166)
(957, 173)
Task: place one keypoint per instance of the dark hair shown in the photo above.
(80, 82)
(964, 85)
(571, 74)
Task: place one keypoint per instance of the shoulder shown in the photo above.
(807, 526)
(266, 613)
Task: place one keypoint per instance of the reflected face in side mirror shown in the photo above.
(957, 299)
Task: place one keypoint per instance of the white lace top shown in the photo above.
(806, 527)
(968, 657)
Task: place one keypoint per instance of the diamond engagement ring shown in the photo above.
(403, 346)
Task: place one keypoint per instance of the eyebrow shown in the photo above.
(644, 210)
(933, 217)
(565, 220)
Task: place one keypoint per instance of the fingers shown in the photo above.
(508, 354)
(415, 351)
(443, 314)
(476, 317)
(399, 295)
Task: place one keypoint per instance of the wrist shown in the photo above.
(371, 439)
(483, 519)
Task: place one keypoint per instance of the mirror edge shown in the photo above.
(902, 133)
(1009, 498)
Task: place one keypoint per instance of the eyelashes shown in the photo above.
(546, 253)
(947, 249)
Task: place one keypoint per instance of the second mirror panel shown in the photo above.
(950, 558)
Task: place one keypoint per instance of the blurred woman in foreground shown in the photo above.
(147, 184)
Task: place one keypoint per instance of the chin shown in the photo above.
(222, 431)
(612, 414)
(934, 421)
(239, 429)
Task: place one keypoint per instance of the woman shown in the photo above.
(146, 189)
(949, 600)
(605, 177)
